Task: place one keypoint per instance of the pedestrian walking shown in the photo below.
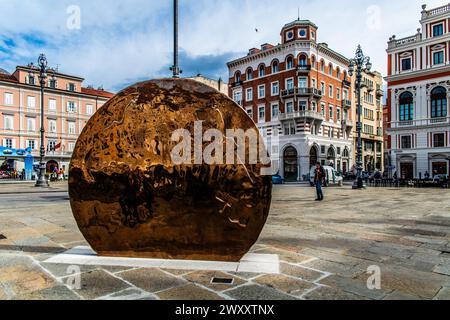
(319, 176)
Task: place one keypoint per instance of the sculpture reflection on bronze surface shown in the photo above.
(130, 199)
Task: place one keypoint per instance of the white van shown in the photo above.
(332, 177)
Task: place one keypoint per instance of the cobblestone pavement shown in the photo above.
(325, 250)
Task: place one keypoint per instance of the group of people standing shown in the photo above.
(57, 174)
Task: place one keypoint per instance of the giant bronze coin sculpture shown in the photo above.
(130, 199)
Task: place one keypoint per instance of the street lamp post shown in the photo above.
(359, 64)
(43, 70)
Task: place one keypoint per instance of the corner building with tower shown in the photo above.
(300, 96)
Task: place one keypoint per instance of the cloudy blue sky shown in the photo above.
(121, 42)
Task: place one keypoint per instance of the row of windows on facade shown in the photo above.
(370, 146)
(290, 129)
(438, 59)
(51, 83)
(438, 141)
(32, 144)
(289, 85)
(368, 129)
(438, 104)
(369, 114)
(8, 124)
(368, 98)
(301, 106)
(52, 105)
(290, 64)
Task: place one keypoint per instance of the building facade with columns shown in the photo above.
(67, 108)
(418, 97)
(371, 120)
(300, 96)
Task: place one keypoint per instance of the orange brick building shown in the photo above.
(300, 96)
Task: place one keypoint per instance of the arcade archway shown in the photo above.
(51, 165)
(290, 160)
(313, 156)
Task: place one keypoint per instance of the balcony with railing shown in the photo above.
(53, 154)
(304, 68)
(435, 12)
(346, 83)
(236, 84)
(347, 124)
(419, 123)
(302, 92)
(379, 92)
(346, 104)
(395, 43)
(305, 114)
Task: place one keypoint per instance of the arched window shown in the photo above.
(313, 156)
(313, 61)
(346, 154)
(338, 73)
(322, 65)
(249, 74)
(289, 63)
(237, 77)
(439, 103)
(331, 154)
(275, 66)
(262, 70)
(302, 61)
(406, 111)
(330, 69)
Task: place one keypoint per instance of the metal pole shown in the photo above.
(42, 181)
(175, 68)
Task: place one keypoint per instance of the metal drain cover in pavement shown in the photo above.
(2, 237)
(221, 281)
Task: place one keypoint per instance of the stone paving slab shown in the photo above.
(99, 283)
(444, 294)
(289, 285)
(152, 280)
(328, 293)
(129, 294)
(189, 292)
(58, 292)
(256, 292)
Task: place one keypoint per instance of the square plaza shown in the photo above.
(325, 250)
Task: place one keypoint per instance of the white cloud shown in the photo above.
(121, 41)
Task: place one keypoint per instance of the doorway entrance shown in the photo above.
(290, 160)
(406, 171)
(313, 157)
